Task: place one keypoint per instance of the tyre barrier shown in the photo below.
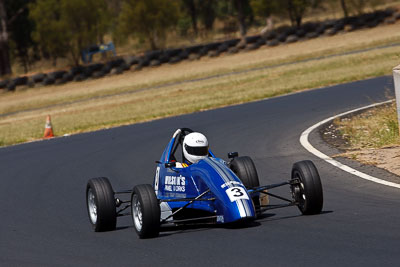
(271, 35)
(98, 74)
(184, 54)
(273, 42)
(292, 39)
(232, 50)
(155, 63)
(213, 53)
(281, 35)
(56, 74)
(144, 62)
(232, 42)
(48, 81)
(116, 62)
(80, 77)
(11, 86)
(20, 81)
(30, 83)
(203, 51)
(172, 52)
(312, 35)
(68, 77)
(163, 58)
(107, 68)
(252, 46)
(37, 78)
(252, 39)
(309, 27)
(76, 70)
(152, 55)
(3, 83)
(320, 29)
(194, 49)
(223, 48)
(261, 41)
(174, 60)
(131, 60)
(330, 32)
(300, 33)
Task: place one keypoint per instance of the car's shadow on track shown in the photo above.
(168, 230)
(267, 217)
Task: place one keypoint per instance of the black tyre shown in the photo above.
(145, 211)
(37, 78)
(3, 83)
(309, 192)
(101, 205)
(11, 86)
(20, 80)
(292, 39)
(155, 63)
(245, 169)
(272, 42)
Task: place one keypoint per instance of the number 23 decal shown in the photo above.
(235, 193)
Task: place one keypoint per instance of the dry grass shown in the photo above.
(143, 105)
(375, 128)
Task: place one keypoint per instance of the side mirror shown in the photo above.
(170, 164)
(232, 155)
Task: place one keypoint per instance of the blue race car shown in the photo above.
(193, 186)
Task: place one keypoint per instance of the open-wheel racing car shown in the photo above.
(204, 189)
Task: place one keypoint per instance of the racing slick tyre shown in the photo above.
(101, 204)
(308, 193)
(245, 169)
(146, 211)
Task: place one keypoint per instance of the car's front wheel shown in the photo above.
(145, 211)
(307, 187)
(101, 205)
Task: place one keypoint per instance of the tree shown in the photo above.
(264, 8)
(243, 10)
(149, 19)
(296, 10)
(191, 8)
(207, 13)
(50, 32)
(5, 66)
(20, 28)
(85, 23)
(344, 8)
(68, 26)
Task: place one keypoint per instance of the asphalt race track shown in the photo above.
(43, 218)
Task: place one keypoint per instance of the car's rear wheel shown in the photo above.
(145, 211)
(308, 192)
(100, 203)
(245, 169)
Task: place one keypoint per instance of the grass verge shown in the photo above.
(372, 137)
(375, 128)
(170, 90)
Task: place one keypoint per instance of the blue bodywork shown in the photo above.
(230, 202)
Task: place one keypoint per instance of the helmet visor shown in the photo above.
(197, 150)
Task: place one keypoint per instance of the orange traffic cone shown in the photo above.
(48, 131)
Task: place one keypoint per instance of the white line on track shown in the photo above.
(306, 144)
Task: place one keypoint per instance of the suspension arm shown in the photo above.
(190, 202)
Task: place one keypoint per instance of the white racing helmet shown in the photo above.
(195, 147)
